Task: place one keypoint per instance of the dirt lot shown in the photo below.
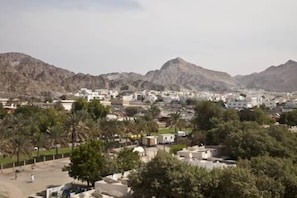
(48, 173)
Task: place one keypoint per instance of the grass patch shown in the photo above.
(166, 130)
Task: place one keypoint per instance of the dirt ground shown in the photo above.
(45, 174)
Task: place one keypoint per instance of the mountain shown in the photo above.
(21, 74)
(274, 78)
(178, 72)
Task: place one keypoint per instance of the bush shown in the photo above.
(176, 147)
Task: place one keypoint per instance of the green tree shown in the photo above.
(76, 127)
(58, 137)
(256, 114)
(219, 134)
(230, 115)
(80, 104)
(206, 114)
(110, 128)
(176, 147)
(181, 124)
(131, 111)
(154, 111)
(279, 175)
(127, 160)
(151, 126)
(252, 143)
(93, 128)
(27, 110)
(174, 119)
(40, 140)
(18, 134)
(166, 176)
(3, 112)
(97, 110)
(48, 118)
(289, 118)
(143, 126)
(88, 162)
(237, 182)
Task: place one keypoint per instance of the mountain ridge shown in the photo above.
(24, 75)
(275, 78)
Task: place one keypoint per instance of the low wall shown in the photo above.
(24, 165)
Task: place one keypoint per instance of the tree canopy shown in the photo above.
(166, 176)
(289, 118)
(88, 162)
(127, 160)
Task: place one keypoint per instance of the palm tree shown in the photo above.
(127, 127)
(174, 118)
(140, 125)
(93, 128)
(181, 123)
(75, 125)
(57, 136)
(40, 140)
(109, 128)
(17, 129)
(5, 146)
(154, 111)
(21, 145)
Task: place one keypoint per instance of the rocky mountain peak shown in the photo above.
(290, 62)
(173, 62)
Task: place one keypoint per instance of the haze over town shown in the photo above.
(238, 37)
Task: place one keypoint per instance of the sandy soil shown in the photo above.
(48, 173)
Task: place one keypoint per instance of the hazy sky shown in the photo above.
(101, 36)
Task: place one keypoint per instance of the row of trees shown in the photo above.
(30, 126)
(166, 176)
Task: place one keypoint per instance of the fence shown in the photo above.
(33, 161)
(44, 158)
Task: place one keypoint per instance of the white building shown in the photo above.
(244, 102)
(239, 104)
(67, 104)
(166, 138)
(203, 157)
(111, 186)
(99, 94)
(197, 153)
(269, 103)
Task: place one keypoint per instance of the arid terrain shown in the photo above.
(48, 173)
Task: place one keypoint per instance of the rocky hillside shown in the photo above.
(21, 74)
(177, 72)
(274, 78)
